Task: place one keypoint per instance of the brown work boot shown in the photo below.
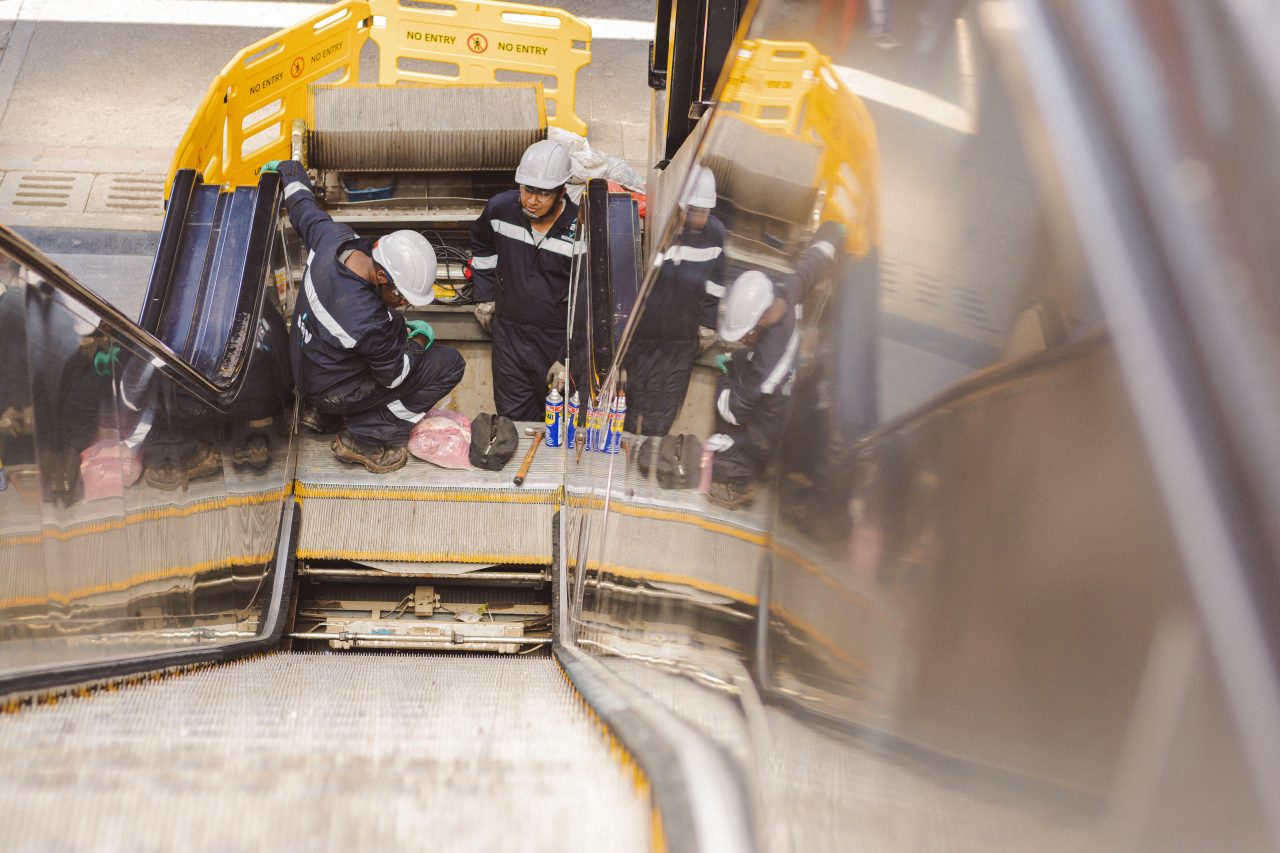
(731, 495)
(203, 461)
(317, 421)
(376, 456)
(163, 473)
(254, 453)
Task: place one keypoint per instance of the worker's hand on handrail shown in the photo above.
(269, 166)
(722, 361)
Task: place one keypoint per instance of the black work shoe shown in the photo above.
(317, 421)
(377, 457)
(255, 453)
(731, 495)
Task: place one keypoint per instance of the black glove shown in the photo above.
(291, 170)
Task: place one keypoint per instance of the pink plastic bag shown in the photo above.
(442, 438)
(106, 467)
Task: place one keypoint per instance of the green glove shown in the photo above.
(722, 361)
(103, 361)
(423, 328)
(270, 166)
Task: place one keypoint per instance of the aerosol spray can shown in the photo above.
(554, 417)
(571, 419)
(595, 423)
(617, 417)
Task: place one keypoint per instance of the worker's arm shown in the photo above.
(382, 345)
(816, 262)
(713, 286)
(484, 258)
(300, 201)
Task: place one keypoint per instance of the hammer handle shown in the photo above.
(528, 458)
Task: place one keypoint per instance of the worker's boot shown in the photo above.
(203, 461)
(163, 472)
(376, 456)
(731, 495)
(255, 453)
(318, 421)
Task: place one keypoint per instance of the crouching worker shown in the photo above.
(353, 356)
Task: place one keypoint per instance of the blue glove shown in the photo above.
(423, 328)
(722, 361)
(270, 166)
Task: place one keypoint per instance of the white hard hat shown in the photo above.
(701, 189)
(743, 306)
(410, 260)
(545, 165)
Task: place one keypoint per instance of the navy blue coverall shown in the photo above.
(349, 353)
(664, 345)
(527, 275)
(751, 401)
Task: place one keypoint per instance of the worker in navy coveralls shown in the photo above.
(353, 356)
(522, 251)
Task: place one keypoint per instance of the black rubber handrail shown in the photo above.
(164, 358)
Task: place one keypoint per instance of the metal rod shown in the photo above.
(443, 642)
(528, 577)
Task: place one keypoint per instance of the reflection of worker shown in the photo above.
(751, 400)
(523, 246)
(49, 384)
(751, 405)
(351, 356)
(679, 315)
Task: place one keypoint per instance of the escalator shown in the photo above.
(179, 575)
(327, 752)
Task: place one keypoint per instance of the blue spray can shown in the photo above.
(571, 419)
(617, 417)
(554, 417)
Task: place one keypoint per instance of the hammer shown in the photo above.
(538, 435)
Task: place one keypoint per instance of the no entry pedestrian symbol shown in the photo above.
(477, 43)
(298, 65)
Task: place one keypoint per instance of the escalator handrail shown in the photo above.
(162, 357)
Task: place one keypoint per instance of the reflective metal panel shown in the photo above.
(915, 567)
(136, 517)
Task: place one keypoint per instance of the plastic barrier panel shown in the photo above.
(850, 163)
(769, 81)
(245, 117)
(789, 86)
(477, 43)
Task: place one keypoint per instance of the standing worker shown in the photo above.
(522, 251)
(677, 321)
(353, 356)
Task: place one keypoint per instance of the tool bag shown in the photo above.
(676, 458)
(493, 441)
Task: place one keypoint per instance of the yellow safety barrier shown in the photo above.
(791, 87)
(474, 43)
(850, 167)
(769, 81)
(246, 115)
